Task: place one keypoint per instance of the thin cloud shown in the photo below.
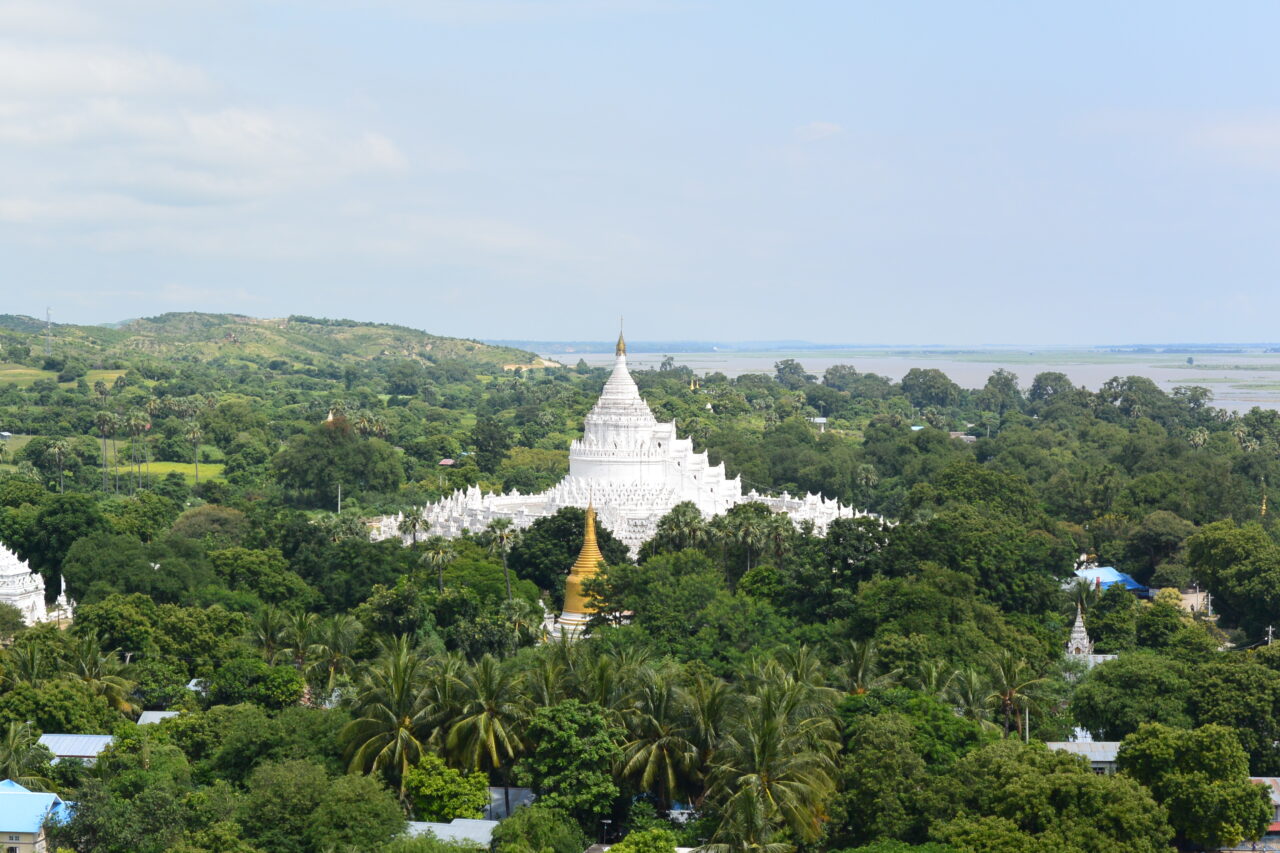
(1252, 142)
(815, 130)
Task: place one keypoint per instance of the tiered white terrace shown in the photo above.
(633, 468)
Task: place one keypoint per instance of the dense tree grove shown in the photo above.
(748, 685)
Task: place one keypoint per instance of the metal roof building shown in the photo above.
(83, 747)
(459, 829)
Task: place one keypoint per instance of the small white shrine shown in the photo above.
(633, 468)
(23, 588)
(1080, 647)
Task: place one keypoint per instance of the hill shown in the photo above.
(233, 339)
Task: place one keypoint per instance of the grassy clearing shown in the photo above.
(208, 470)
(23, 376)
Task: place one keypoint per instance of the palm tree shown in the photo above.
(545, 681)
(61, 449)
(1083, 594)
(710, 704)
(333, 644)
(933, 677)
(154, 407)
(412, 523)
(103, 421)
(266, 631)
(194, 434)
(970, 694)
(502, 537)
(658, 756)
(22, 758)
(775, 768)
(780, 536)
(393, 722)
(104, 672)
(136, 423)
(27, 664)
(486, 735)
(750, 533)
(683, 527)
(297, 635)
(1014, 687)
(860, 671)
(439, 553)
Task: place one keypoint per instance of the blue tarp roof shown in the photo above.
(22, 810)
(1109, 576)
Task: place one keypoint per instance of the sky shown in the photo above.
(841, 172)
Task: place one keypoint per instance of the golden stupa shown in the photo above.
(577, 607)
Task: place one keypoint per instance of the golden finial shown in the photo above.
(622, 342)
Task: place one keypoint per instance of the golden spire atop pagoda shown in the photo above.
(577, 607)
(621, 349)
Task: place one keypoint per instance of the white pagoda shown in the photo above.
(633, 468)
(22, 587)
(1080, 647)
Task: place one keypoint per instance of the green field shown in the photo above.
(24, 376)
(208, 470)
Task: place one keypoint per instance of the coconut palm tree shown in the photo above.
(22, 758)
(103, 671)
(502, 536)
(333, 644)
(860, 671)
(438, 554)
(970, 694)
(774, 769)
(932, 677)
(392, 724)
(1014, 687)
(544, 682)
(709, 705)
(658, 756)
(266, 631)
(486, 735)
(297, 635)
(27, 664)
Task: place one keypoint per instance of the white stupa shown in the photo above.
(21, 587)
(633, 468)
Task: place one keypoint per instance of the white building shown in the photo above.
(632, 467)
(1080, 647)
(21, 587)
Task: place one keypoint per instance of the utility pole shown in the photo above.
(1271, 632)
(339, 498)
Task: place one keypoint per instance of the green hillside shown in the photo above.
(231, 340)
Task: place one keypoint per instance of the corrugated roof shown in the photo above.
(148, 717)
(76, 746)
(1094, 750)
(24, 811)
(459, 829)
(1272, 782)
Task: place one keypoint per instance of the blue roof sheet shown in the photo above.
(22, 810)
(1106, 576)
